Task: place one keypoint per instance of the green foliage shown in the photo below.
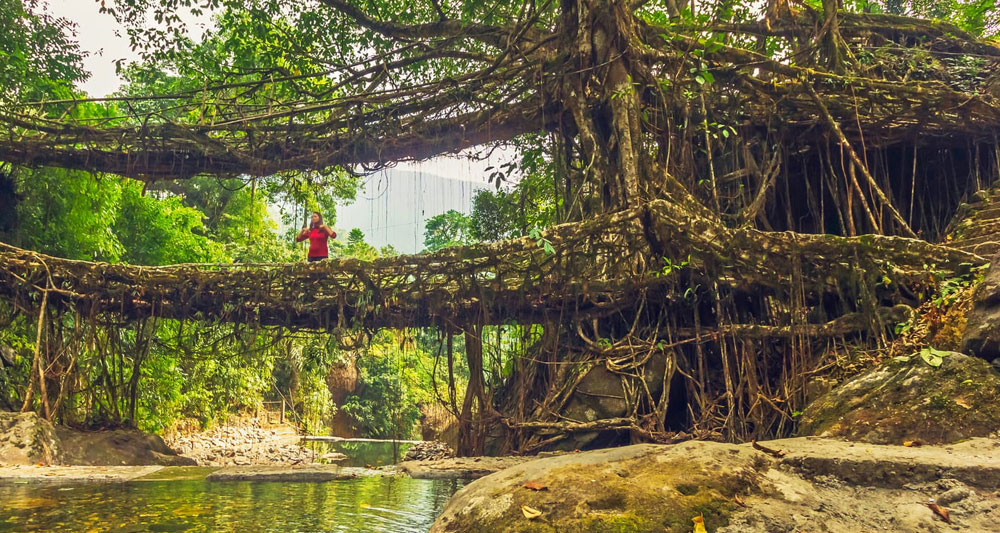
(979, 17)
(536, 235)
(66, 213)
(309, 29)
(38, 55)
(357, 247)
(390, 388)
(530, 203)
(162, 231)
(670, 266)
(950, 286)
(14, 363)
(494, 216)
(447, 229)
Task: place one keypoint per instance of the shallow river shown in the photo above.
(387, 504)
(360, 453)
(178, 499)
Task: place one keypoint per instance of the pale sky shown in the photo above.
(105, 41)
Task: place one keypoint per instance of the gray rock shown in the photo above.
(982, 328)
(600, 395)
(28, 439)
(459, 467)
(428, 451)
(907, 399)
(279, 473)
(817, 485)
(954, 495)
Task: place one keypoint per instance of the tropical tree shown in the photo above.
(39, 57)
(695, 145)
(447, 229)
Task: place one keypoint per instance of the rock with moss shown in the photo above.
(644, 487)
(27, 439)
(601, 395)
(982, 328)
(928, 397)
(801, 484)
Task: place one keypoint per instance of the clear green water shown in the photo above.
(361, 453)
(382, 504)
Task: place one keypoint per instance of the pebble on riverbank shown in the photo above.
(429, 451)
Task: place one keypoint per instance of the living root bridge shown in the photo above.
(599, 268)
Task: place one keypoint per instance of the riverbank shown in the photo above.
(27, 439)
(74, 474)
(463, 468)
(242, 442)
(781, 485)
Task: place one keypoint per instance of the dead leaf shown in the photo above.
(961, 402)
(940, 511)
(535, 486)
(911, 443)
(739, 501)
(699, 524)
(769, 451)
(530, 512)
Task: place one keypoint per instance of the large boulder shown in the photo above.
(600, 394)
(116, 447)
(803, 484)
(27, 439)
(911, 399)
(982, 323)
(645, 487)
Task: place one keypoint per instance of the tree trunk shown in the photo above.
(602, 98)
(471, 421)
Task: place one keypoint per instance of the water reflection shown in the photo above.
(373, 504)
(361, 453)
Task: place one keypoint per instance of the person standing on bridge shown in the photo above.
(318, 234)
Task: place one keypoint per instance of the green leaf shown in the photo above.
(933, 356)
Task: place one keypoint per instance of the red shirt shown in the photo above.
(317, 242)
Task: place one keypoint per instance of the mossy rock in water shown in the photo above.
(644, 487)
(908, 399)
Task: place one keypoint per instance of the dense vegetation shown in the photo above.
(151, 374)
(270, 102)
